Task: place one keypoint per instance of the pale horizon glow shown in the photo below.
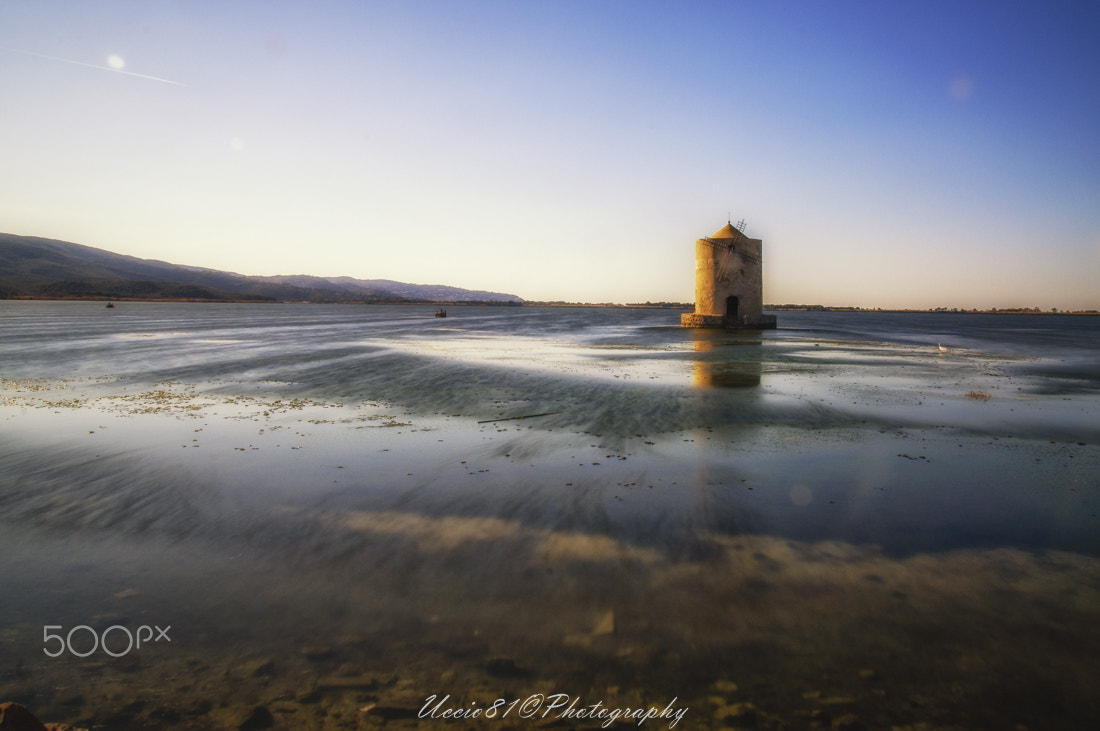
(909, 154)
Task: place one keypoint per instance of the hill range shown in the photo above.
(37, 268)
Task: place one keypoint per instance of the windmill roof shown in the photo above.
(727, 232)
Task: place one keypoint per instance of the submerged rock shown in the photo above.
(743, 714)
(357, 682)
(502, 667)
(318, 654)
(16, 717)
(606, 625)
(848, 722)
(390, 713)
(259, 718)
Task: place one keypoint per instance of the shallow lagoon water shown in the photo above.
(337, 509)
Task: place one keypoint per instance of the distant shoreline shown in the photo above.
(931, 310)
(608, 305)
(257, 301)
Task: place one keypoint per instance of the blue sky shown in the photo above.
(889, 154)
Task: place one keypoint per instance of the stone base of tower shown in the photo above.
(691, 319)
(757, 322)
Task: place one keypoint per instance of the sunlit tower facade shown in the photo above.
(729, 282)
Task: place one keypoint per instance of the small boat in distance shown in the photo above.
(110, 306)
(441, 312)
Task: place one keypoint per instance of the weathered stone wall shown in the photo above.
(725, 268)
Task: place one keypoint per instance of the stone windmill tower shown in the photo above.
(729, 282)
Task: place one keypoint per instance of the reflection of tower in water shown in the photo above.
(710, 371)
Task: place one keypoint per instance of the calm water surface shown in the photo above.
(857, 520)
